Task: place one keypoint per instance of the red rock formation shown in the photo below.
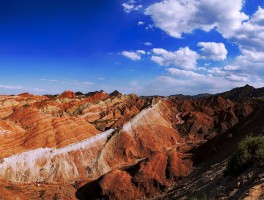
(62, 140)
(67, 94)
(25, 95)
(143, 179)
(96, 96)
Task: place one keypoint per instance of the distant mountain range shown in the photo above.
(237, 94)
(243, 93)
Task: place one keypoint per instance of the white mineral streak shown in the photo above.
(28, 166)
(144, 113)
(4, 132)
(71, 162)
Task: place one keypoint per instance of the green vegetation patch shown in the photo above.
(250, 152)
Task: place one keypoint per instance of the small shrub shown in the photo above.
(25, 106)
(249, 152)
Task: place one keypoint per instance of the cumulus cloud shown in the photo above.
(247, 67)
(250, 62)
(130, 6)
(183, 58)
(176, 17)
(141, 52)
(132, 55)
(250, 34)
(250, 38)
(213, 50)
(233, 74)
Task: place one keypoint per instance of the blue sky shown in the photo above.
(145, 47)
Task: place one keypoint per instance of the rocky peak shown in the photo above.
(97, 95)
(240, 93)
(115, 93)
(67, 94)
(25, 95)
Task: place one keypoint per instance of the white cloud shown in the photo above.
(219, 71)
(234, 74)
(250, 62)
(236, 78)
(147, 43)
(130, 6)
(149, 27)
(176, 17)
(20, 88)
(80, 83)
(184, 58)
(207, 64)
(140, 23)
(180, 73)
(183, 16)
(141, 52)
(35, 90)
(87, 83)
(127, 7)
(230, 68)
(11, 87)
(131, 55)
(213, 50)
(201, 68)
(250, 38)
(250, 34)
(167, 85)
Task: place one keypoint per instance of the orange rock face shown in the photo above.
(96, 141)
(67, 94)
(143, 179)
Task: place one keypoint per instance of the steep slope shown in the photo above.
(53, 165)
(208, 179)
(55, 139)
(166, 160)
(134, 141)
